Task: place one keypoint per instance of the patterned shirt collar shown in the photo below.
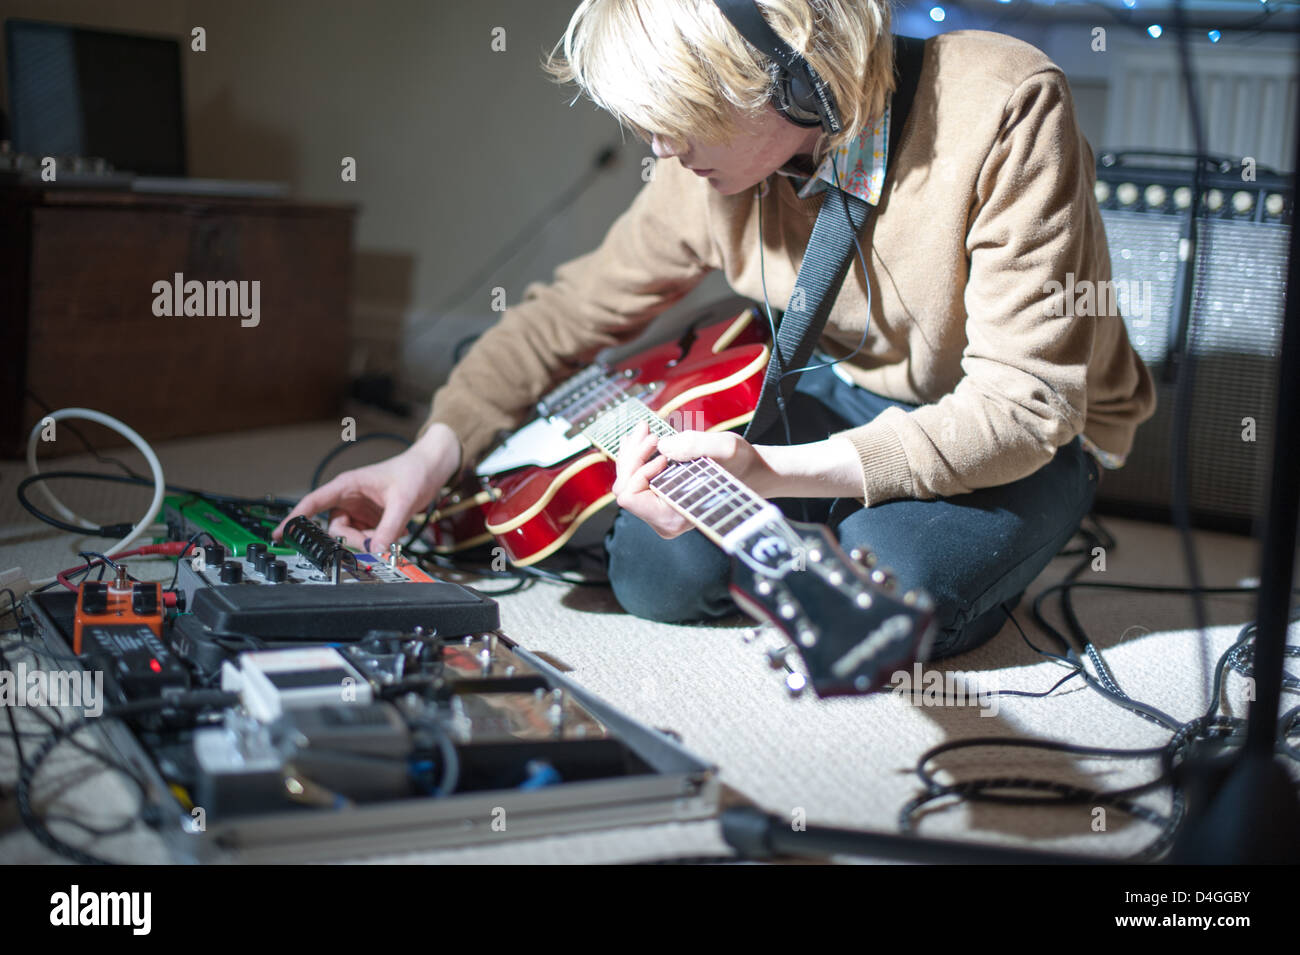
(860, 164)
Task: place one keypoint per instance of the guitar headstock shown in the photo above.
(843, 615)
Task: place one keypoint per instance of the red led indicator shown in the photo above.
(155, 665)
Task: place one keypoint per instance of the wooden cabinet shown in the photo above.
(81, 274)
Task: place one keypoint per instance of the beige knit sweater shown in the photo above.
(987, 200)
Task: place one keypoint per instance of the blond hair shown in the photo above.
(679, 69)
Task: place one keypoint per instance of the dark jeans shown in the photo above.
(972, 552)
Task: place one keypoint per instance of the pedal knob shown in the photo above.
(232, 572)
(252, 551)
(277, 571)
(213, 554)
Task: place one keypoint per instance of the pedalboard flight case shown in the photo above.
(504, 702)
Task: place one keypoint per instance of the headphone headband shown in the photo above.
(802, 95)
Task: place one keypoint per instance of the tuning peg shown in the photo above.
(919, 599)
(864, 557)
(795, 684)
(776, 656)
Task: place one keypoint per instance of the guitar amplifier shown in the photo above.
(1238, 288)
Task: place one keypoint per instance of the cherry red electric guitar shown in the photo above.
(841, 612)
(534, 491)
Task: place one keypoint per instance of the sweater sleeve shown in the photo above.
(653, 255)
(1023, 392)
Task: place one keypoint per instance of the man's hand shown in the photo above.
(643, 455)
(375, 502)
(827, 468)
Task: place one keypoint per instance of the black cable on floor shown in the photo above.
(1024, 790)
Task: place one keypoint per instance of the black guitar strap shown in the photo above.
(828, 257)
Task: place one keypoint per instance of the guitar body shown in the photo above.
(708, 381)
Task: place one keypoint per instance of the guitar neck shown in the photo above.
(736, 518)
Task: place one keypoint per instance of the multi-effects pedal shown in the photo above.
(323, 592)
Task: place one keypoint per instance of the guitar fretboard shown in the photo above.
(701, 489)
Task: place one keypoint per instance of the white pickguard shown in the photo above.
(540, 443)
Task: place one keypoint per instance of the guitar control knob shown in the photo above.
(232, 572)
(276, 571)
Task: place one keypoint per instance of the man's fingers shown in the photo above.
(317, 500)
(641, 477)
(352, 536)
(392, 526)
(635, 449)
(688, 445)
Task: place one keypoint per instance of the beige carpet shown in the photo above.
(846, 762)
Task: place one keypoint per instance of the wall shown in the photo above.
(456, 145)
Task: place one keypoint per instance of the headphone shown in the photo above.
(801, 95)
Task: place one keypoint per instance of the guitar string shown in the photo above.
(710, 480)
(706, 487)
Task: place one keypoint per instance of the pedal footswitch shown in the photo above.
(120, 602)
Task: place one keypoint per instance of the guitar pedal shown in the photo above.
(119, 602)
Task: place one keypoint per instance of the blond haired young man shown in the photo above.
(961, 439)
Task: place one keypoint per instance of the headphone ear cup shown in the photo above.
(795, 98)
(800, 93)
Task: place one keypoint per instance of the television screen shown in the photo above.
(82, 92)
